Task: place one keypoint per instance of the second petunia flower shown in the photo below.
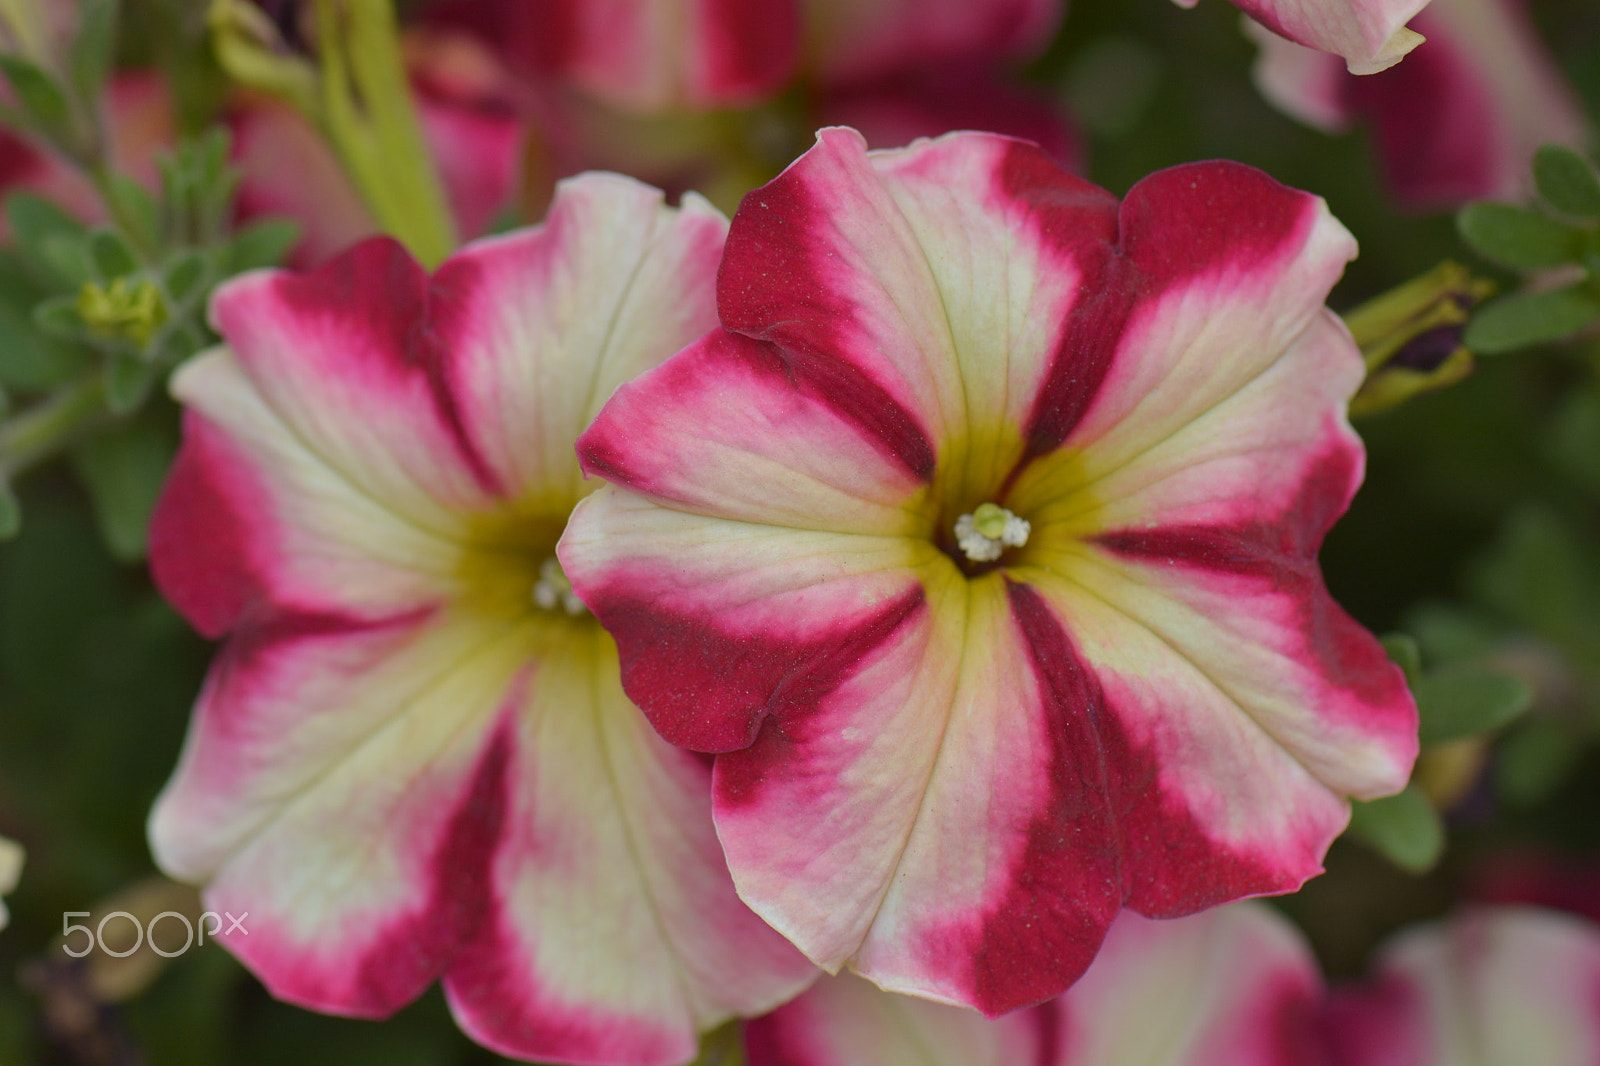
(981, 544)
(412, 759)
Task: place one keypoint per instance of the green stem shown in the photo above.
(50, 425)
(369, 117)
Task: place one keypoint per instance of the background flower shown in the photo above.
(1458, 120)
(412, 759)
(949, 769)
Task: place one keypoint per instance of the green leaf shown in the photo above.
(51, 241)
(1567, 181)
(1534, 761)
(1518, 237)
(129, 378)
(1573, 440)
(1404, 828)
(1467, 701)
(1403, 652)
(184, 275)
(1527, 318)
(124, 470)
(136, 209)
(111, 255)
(30, 361)
(10, 512)
(59, 317)
(261, 244)
(38, 91)
(94, 48)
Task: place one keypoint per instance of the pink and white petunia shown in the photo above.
(1234, 986)
(1368, 35)
(1459, 120)
(413, 759)
(981, 544)
(1499, 985)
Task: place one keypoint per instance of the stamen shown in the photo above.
(988, 531)
(553, 588)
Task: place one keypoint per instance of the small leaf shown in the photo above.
(1567, 181)
(262, 244)
(1518, 237)
(1404, 828)
(1467, 701)
(129, 379)
(1534, 761)
(124, 470)
(94, 48)
(1403, 652)
(137, 209)
(59, 317)
(1527, 318)
(37, 90)
(50, 240)
(111, 255)
(184, 275)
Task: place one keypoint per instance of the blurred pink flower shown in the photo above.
(1231, 987)
(981, 544)
(1496, 985)
(1458, 120)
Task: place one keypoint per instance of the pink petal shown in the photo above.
(1494, 985)
(620, 937)
(1369, 35)
(508, 312)
(954, 779)
(1233, 987)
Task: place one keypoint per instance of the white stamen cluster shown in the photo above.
(553, 588)
(988, 531)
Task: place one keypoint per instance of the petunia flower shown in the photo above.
(1369, 35)
(1459, 120)
(412, 759)
(1494, 985)
(948, 769)
(1235, 985)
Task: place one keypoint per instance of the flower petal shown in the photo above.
(724, 623)
(1153, 997)
(620, 937)
(1370, 35)
(344, 784)
(611, 284)
(1494, 985)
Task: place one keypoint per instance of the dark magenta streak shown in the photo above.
(768, 289)
(1174, 226)
(376, 286)
(424, 944)
(1106, 837)
(708, 690)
